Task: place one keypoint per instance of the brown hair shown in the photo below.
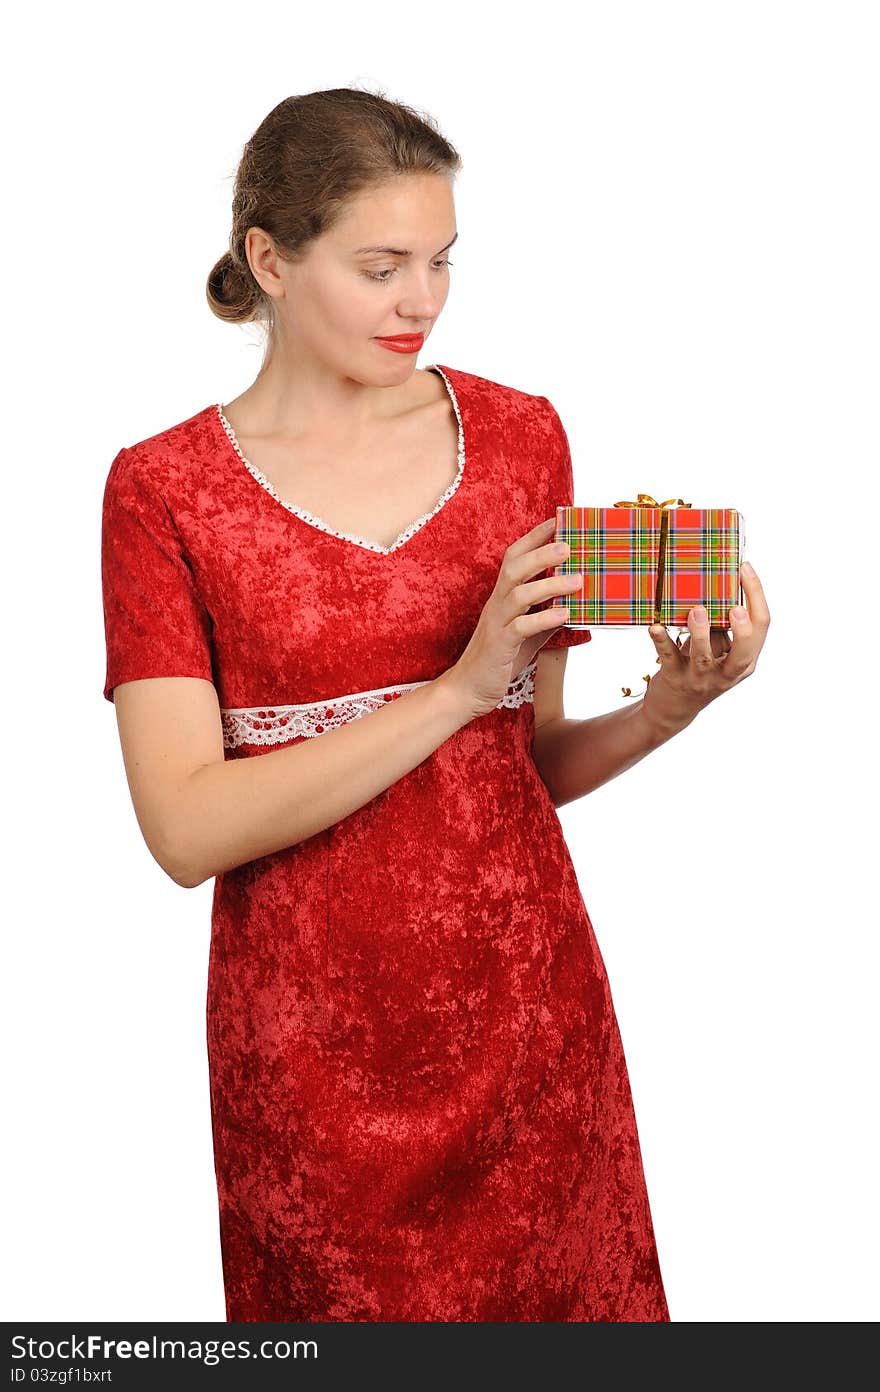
(305, 160)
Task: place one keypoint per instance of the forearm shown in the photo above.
(574, 757)
(237, 810)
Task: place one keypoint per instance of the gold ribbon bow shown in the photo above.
(646, 501)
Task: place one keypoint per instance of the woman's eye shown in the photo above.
(384, 276)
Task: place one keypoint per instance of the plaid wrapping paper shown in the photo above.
(630, 557)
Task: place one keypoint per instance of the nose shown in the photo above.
(420, 304)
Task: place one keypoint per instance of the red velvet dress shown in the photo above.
(419, 1097)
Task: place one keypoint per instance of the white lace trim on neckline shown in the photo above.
(264, 725)
(319, 522)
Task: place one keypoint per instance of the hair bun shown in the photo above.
(231, 294)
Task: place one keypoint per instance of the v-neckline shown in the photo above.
(318, 522)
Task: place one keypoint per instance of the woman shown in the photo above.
(337, 672)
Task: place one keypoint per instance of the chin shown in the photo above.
(402, 364)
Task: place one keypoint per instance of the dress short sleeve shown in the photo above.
(561, 494)
(155, 621)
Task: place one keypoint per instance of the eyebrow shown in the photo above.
(398, 251)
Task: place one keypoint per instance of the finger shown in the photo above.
(538, 536)
(524, 594)
(663, 643)
(741, 624)
(698, 627)
(551, 558)
(756, 602)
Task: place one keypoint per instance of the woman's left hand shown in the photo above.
(707, 663)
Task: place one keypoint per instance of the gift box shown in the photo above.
(646, 562)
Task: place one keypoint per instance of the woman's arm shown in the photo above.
(574, 757)
(202, 814)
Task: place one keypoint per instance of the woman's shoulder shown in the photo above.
(504, 407)
(176, 451)
(488, 387)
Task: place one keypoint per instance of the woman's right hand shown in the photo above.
(507, 637)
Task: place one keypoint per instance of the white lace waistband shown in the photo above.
(277, 724)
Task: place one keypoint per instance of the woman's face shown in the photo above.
(332, 305)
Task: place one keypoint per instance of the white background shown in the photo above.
(669, 225)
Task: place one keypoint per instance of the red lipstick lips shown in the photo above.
(402, 343)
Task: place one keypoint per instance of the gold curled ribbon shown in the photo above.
(646, 501)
